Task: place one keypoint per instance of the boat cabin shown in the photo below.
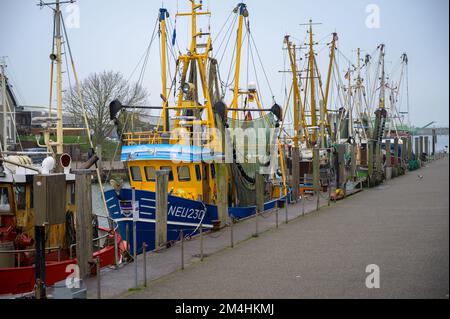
(192, 173)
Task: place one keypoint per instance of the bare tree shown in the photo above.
(97, 91)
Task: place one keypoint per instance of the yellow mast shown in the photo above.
(201, 59)
(330, 69)
(296, 89)
(162, 20)
(242, 9)
(312, 85)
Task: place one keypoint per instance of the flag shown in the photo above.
(174, 36)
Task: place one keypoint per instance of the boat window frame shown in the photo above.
(20, 196)
(170, 170)
(132, 173)
(178, 173)
(146, 175)
(8, 208)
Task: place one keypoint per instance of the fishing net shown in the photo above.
(253, 143)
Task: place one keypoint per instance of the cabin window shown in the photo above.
(4, 200)
(184, 174)
(136, 173)
(213, 171)
(150, 173)
(21, 199)
(168, 168)
(198, 172)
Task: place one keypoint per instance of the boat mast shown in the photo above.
(243, 12)
(312, 85)
(201, 59)
(5, 113)
(330, 69)
(59, 115)
(291, 48)
(383, 79)
(162, 21)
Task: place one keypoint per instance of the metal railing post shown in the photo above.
(116, 250)
(99, 294)
(201, 241)
(276, 217)
(182, 248)
(256, 222)
(144, 255)
(231, 231)
(286, 211)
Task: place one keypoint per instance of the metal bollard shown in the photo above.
(144, 255)
(201, 242)
(99, 292)
(182, 248)
(231, 232)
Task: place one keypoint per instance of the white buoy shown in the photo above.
(47, 165)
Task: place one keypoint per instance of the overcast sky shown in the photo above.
(113, 35)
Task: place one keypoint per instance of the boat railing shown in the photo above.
(155, 137)
(147, 137)
(20, 251)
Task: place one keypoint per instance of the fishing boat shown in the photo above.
(189, 146)
(18, 232)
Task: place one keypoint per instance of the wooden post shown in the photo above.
(316, 174)
(410, 149)
(420, 149)
(222, 195)
(259, 187)
(83, 201)
(162, 181)
(295, 182)
(377, 157)
(388, 166)
(416, 148)
(426, 146)
(404, 155)
(340, 181)
(395, 170)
